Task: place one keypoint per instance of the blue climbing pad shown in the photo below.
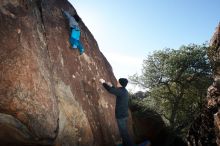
(144, 143)
(122, 145)
(141, 144)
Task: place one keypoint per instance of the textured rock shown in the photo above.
(49, 94)
(205, 130)
(217, 127)
(214, 52)
(214, 93)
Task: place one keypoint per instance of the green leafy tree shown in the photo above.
(177, 81)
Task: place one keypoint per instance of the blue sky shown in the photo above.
(128, 30)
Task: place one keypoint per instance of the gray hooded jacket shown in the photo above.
(72, 21)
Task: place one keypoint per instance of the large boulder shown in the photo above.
(213, 97)
(205, 129)
(49, 93)
(148, 125)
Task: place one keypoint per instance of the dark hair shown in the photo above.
(77, 18)
(123, 82)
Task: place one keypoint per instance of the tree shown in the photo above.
(177, 81)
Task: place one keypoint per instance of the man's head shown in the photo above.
(123, 82)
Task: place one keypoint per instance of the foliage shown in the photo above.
(177, 81)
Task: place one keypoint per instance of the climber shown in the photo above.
(74, 32)
(121, 109)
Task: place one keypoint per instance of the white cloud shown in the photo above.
(123, 59)
(124, 65)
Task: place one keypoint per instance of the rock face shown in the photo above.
(214, 52)
(49, 94)
(214, 90)
(205, 130)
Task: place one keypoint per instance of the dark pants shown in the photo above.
(123, 129)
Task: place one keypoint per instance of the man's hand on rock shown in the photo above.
(110, 84)
(101, 80)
